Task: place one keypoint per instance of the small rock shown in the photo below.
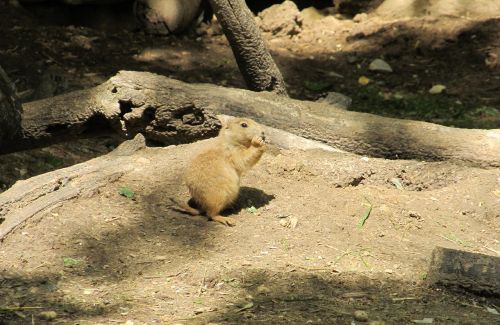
(360, 17)
(289, 222)
(337, 99)
(437, 89)
(388, 271)
(311, 14)
(361, 316)
(48, 315)
(492, 311)
(281, 19)
(263, 290)
(379, 65)
(83, 41)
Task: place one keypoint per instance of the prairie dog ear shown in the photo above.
(224, 120)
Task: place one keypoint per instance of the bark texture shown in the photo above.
(472, 271)
(10, 109)
(170, 112)
(254, 60)
(45, 192)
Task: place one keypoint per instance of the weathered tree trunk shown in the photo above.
(472, 271)
(104, 109)
(254, 60)
(170, 111)
(10, 109)
(44, 192)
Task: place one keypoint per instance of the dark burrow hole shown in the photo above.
(55, 128)
(125, 107)
(96, 123)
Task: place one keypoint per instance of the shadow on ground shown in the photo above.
(323, 297)
(23, 298)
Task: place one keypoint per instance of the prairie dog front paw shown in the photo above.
(258, 141)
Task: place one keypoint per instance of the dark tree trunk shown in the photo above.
(471, 271)
(10, 109)
(251, 53)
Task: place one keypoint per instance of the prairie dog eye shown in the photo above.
(244, 125)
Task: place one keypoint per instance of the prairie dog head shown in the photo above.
(240, 131)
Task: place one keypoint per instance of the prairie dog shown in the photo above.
(213, 176)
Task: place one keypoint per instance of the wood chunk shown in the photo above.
(474, 272)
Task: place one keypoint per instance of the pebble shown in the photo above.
(263, 290)
(361, 316)
(437, 89)
(48, 315)
(340, 100)
(379, 65)
(360, 17)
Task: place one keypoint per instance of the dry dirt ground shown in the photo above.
(110, 259)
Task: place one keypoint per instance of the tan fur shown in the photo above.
(213, 176)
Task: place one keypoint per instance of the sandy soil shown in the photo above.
(108, 259)
(138, 260)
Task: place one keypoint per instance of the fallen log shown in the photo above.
(44, 192)
(168, 111)
(475, 272)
